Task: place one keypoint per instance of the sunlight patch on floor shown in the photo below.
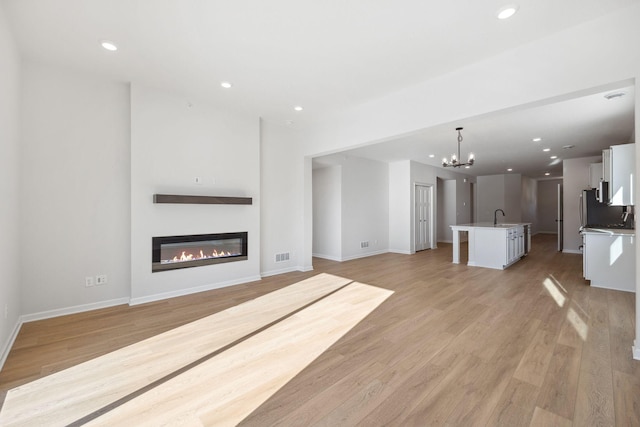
(552, 286)
(300, 321)
(578, 324)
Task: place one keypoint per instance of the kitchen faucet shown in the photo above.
(495, 216)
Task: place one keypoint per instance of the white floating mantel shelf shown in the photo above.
(201, 200)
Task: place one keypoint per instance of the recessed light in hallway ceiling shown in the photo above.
(109, 45)
(506, 12)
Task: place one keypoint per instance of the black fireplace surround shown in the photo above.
(173, 252)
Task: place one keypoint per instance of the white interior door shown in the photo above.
(559, 219)
(423, 217)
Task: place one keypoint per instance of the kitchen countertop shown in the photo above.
(610, 231)
(489, 225)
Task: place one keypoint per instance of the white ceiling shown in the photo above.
(504, 140)
(325, 56)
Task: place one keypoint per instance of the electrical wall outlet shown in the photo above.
(101, 279)
(88, 281)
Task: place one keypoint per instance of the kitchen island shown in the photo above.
(493, 246)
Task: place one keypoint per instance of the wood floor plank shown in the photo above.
(627, 399)
(533, 366)
(542, 418)
(438, 405)
(558, 391)
(414, 389)
(594, 403)
(516, 405)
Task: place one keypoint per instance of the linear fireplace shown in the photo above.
(173, 252)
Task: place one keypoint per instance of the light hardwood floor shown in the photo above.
(454, 345)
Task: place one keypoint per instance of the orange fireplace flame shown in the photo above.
(190, 257)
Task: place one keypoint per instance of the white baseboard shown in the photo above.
(636, 350)
(400, 251)
(365, 255)
(189, 291)
(329, 257)
(7, 346)
(279, 271)
(72, 310)
(286, 270)
(571, 251)
(613, 288)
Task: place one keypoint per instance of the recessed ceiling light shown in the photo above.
(298, 108)
(226, 85)
(537, 139)
(507, 11)
(467, 167)
(553, 157)
(614, 95)
(108, 45)
(431, 156)
(509, 170)
(546, 149)
(547, 173)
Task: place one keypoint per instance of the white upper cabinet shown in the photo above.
(621, 187)
(595, 175)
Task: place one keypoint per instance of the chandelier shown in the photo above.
(454, 162)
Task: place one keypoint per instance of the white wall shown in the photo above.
(575, 177)
(463, 200)
(174, 140)
(547, 211)
(499, 192)
(9, 190)
(351, 206)
(491, 192)
(281, 224)
(327, 213)
(75, 190)
(513, 197)
(400, 208)
(529, 202)
(365, 207)
(449, 210)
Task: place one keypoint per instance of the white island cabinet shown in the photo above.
(493, 246)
